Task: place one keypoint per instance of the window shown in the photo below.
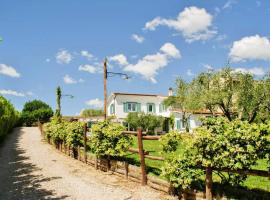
(112, 109)
(151, 108)
(162, 108)
(132, 107)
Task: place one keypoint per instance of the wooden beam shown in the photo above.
(151, 137)
(154, 157)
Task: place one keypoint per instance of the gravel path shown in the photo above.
(32, 169)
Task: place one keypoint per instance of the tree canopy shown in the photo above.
(34, 111)
(235, 94)
(92, 112)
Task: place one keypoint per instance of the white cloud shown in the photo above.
(208, 67)
(12, 92)
(86, 54)
(194, 24)
(170, 50)
(88, 68)
(137, 38)
(63, 57)
(250, 48)
(120, 59)
(96, 103)
(9, 71)
(190, 73)
(149, 65)
(257, 71)
(229, 4)
(69, 80)
(48, 60)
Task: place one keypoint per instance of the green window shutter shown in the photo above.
(160, 108)
(147, 107)
(154, 108)
(138, 107)
(112, 109)
(178, 126)
(125, 107)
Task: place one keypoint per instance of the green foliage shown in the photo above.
(235, 94)
(170, 141)
(8, 117)
(75, 132)
(107, 139)
(147, 122)
(92, 113)
(69, 133)
(58, 102)
(219, 143)
(35, 111)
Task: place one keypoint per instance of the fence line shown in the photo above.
(145, 154)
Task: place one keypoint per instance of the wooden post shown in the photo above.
(85, 142)
(126, 169)
(208, 183)
(141, 153)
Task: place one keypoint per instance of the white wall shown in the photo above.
(119, 101)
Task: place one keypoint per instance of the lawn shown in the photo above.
(154, 167)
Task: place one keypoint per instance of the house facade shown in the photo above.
(120, 104)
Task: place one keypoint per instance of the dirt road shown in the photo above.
(32, 169)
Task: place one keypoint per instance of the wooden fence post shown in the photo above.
(141, 153)
(85, 142)
(208, 183)
(126, 169)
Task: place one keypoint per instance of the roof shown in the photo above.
(137, 94)
(197, 111)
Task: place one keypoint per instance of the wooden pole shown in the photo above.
(141, 153)
(105, 89)
(85, 142)
(208, 183)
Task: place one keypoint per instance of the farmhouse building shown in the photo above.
(120, 104)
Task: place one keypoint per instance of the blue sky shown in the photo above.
(50, 43)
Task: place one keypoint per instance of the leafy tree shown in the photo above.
(34, 111)
(147, 122)
(235, 94)
(58, 102)
(92, 112)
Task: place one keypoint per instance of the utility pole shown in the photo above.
(105, 88)
(105, 77)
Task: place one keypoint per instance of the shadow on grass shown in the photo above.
(18, 176)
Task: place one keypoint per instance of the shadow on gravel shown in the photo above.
(17, 175)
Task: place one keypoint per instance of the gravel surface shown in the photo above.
(32, 169)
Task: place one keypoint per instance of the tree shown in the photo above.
(92, 112)
(235, 94)
(58, 102)
(147, 122)
(34, 111)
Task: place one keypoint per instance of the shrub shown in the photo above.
(35, 111)
(8, 117)
(107, 139)
(147, 122)
(221, 144)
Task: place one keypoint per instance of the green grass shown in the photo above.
(154, 167)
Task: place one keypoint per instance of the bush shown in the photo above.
(107, 139)
(8, 117)
(147, 122)
(35, 111)
(221, 144)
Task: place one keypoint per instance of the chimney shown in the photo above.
(170, 92)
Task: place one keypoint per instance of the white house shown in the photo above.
(120, 104)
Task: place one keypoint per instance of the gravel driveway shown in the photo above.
(32, 169)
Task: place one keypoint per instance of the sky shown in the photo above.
(52, 43)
